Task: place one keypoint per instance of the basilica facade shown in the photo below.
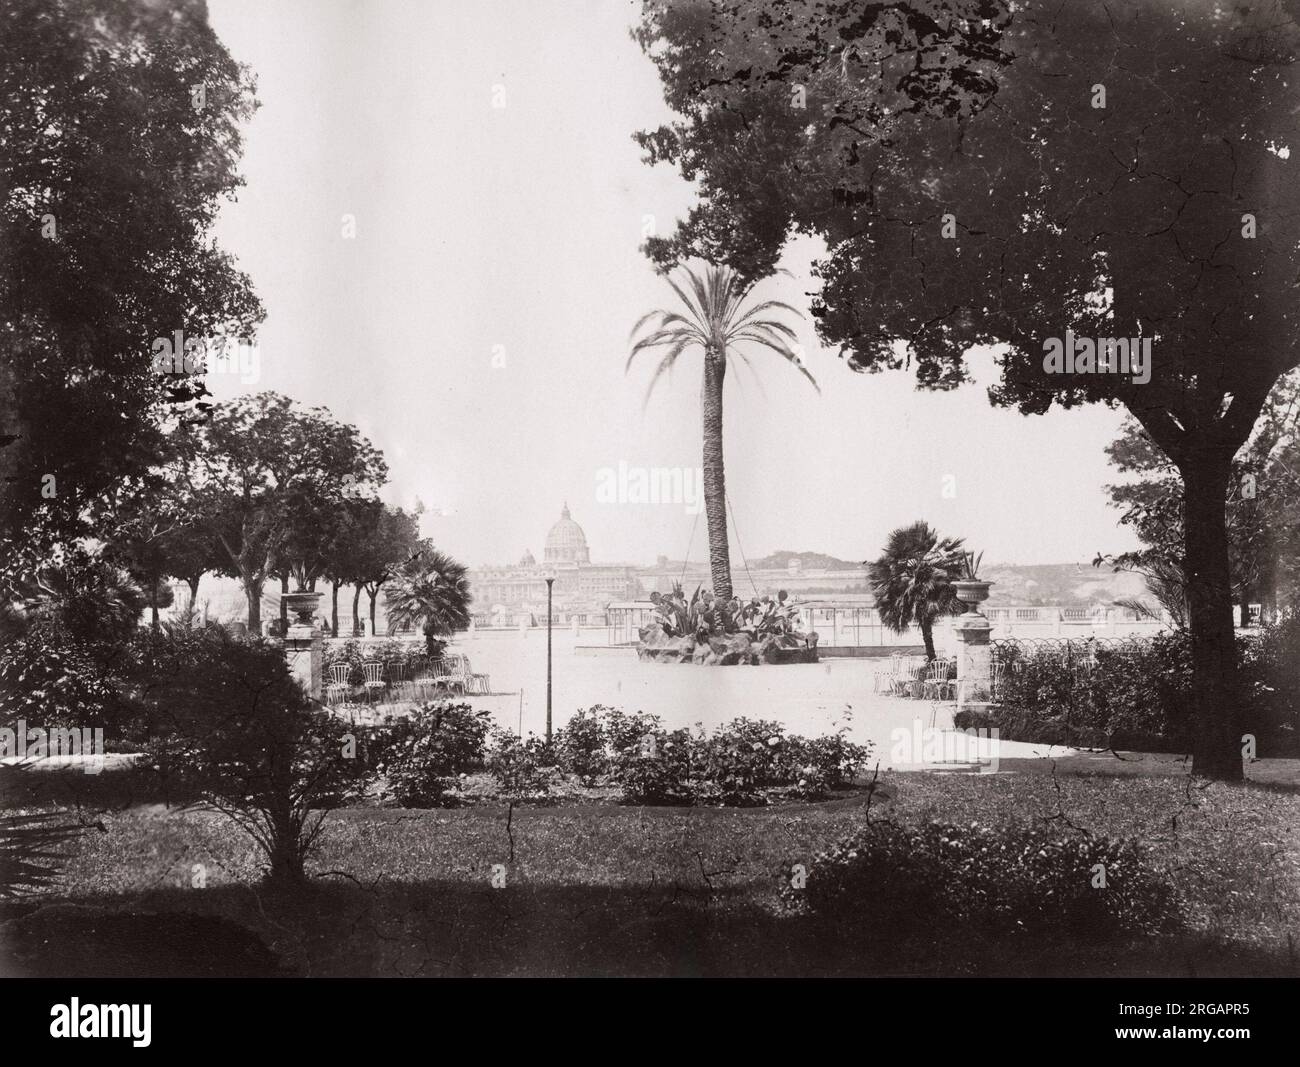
(516, 595)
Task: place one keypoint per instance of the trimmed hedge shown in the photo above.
(1138, 696)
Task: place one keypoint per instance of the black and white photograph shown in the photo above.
(648, 489)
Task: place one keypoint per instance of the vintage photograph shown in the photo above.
(649, 488)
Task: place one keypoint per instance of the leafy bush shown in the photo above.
(734, 766)
(235, 728)
(603, 742)
(1273, 704)
(820, 764)
(658, 766)
(742, 757)
(48, 679)
(1007, 880)
(428, 752)
(582, 747)
(747, 756)
(525, 767)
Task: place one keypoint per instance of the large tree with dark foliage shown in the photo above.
(388, 547)
(119, 139)
(986, 173)
(258, 471)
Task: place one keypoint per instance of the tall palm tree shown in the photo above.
(430, 589)
(713, 318)
(913, 580)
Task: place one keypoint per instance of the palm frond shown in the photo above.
(767, 305)
(784, 351)
(715, 319)
(665, 365)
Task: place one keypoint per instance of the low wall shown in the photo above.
(868, 651)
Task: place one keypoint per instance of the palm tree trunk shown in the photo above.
(715, 483)
(927, 635)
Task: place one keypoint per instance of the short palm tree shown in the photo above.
(431, 590)
(913, 579)
(713, 318)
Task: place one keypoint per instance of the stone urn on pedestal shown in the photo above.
(974, 652)
(304, 645)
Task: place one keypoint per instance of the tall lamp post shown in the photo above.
(549, 583)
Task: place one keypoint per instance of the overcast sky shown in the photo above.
(475, 328)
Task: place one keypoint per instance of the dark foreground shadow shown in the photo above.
(97, 943)
(336, 928)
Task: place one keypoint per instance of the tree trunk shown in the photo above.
(715, 482)
(1216, 746)
(153, 605)
(373, 597)
(927, 635)
(284, 607)
(287, 871)
(356, 613)
(253, 594)
(194, 596)
(334, 609)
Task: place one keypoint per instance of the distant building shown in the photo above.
(515, 595)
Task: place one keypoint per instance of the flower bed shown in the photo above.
(447, 755)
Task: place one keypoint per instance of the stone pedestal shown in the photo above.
(974, 661)
(304, 644)
(304, 648)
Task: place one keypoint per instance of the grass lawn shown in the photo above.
(604, 889)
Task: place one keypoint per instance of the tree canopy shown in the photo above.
(1026, 175)
(261, 471)
(121, 131)
(970, 191)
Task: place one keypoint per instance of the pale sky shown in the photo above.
(475, 328)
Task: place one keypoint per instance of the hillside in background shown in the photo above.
(809, 561)
(1071, 584)
(1061, 583)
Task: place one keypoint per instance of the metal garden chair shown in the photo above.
(374, 672)
(338, 684)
